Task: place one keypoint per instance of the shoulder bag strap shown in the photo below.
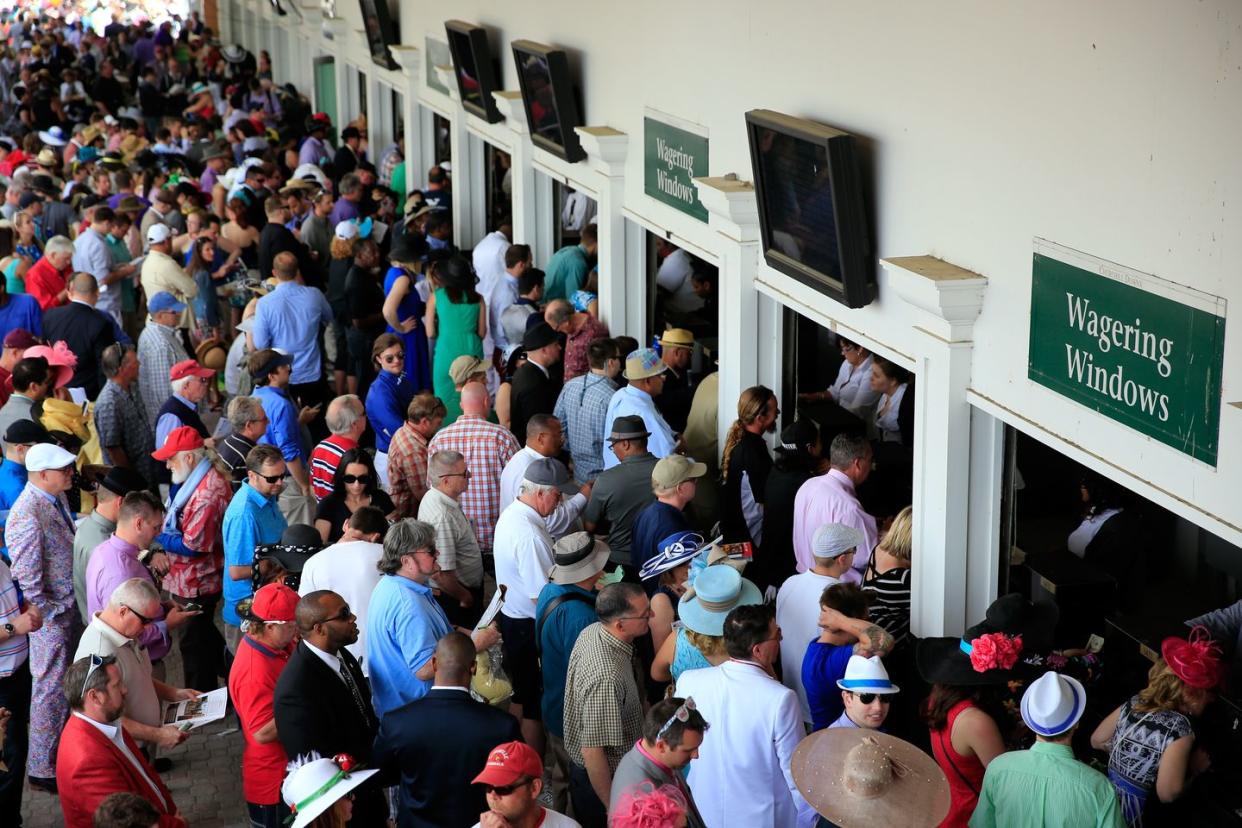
(550, 608)
(949, 758)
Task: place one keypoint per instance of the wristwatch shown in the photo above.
(10, 629)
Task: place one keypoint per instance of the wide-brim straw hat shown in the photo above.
(860, 777)
(212, 353)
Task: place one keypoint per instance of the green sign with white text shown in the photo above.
(1143, 351)
(672, 158)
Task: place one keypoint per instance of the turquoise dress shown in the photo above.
(12, 282)
(686, 656)
(457, 334)
(417, 365)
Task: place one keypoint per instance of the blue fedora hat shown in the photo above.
(717, 591)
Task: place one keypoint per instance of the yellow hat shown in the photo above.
(677, 338)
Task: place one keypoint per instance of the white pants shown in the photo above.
(381, 468)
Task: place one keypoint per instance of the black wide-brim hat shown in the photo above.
(408, 248)
(1014, 615)
(942, 661)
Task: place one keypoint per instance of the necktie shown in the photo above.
(64, 513)
(354, 691)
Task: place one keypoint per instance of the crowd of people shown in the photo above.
(468, 568)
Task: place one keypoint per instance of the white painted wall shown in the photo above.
(1110, 127)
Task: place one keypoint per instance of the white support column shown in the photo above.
(522, 175)
(947, 300)
(734, 213)
(409, 58)
(983, 555)
(466, 191)
(474, 162)
(606, 150)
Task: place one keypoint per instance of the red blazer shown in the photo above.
(89, 768)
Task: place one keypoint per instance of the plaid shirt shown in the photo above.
(407, 470)
(487, 447)
(200, 521)
(159, 349)
(603, 703)
(582, 409)
(121, 421)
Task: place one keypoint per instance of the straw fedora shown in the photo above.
(857, 777)
(643, 363)
(677, 338)
(212, 353)
(717, 591)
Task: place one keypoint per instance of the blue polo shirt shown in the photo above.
(250, 520)
(822, 666)
(12, 482)
(283, 430)
(557, 638)
(404, 622)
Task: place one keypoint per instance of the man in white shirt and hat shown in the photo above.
(753, 716)
(644, 371)
(797, 602)
(545, 437)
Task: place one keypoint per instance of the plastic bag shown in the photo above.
(490, 683)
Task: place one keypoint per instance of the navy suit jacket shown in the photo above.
(439, 743)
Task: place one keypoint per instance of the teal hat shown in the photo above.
(87, 154)
(717, 591)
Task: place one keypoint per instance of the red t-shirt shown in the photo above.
(324, 460)
(252, 683)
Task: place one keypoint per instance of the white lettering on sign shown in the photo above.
(1109, 332)
(674, 156)
(674, 187)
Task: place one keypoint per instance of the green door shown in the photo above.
(325, 91)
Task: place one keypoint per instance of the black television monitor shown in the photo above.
(475, 68)
(381, 31)
(550, 98)
(812, 215)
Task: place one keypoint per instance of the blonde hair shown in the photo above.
(708, 645)
(1164, 690)
(750, 407)
(898, 541)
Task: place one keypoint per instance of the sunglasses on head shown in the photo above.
(868, 698)
(355, 478)
(505, 790)
(96, 663)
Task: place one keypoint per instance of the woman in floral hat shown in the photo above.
(1150, 739)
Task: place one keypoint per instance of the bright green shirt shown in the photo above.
(566, 273)
(1045, 786)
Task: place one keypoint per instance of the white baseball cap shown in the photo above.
(158, 233)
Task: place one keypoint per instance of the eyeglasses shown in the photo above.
(650, 614)
(96, 663)
(465, 474)
(343, 615)
(145, 621)
(505, 790)
(429, 550)
(355, 478)
(388, 359)
(681, 714)
(868, 698)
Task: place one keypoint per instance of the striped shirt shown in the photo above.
(890, 601)
(15, 650)
(487, 447)
(324, 460)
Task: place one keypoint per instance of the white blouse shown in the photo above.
(852, 390)
(886, 424)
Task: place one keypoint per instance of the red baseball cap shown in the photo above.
(274, 602)
(183, 438)
(508, 763)
(189, 368)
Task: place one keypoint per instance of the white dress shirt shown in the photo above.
(852, 390)
(630, 400)
(348, 569)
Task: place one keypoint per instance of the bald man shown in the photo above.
(87, 331)
(441, 740)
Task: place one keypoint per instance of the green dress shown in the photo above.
(457, 334)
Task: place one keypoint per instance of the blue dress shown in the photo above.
(686, 656)
(417, 361)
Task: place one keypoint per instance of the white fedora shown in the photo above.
(1053, 704)
(866, 675)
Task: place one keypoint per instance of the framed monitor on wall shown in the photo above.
(381, 31)
(475, 68)
(550, 97)
(813, 219)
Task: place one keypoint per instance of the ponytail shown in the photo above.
(750, 407)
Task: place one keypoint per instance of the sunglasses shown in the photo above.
(388, 359)
(868, 698)
(96, 663)
(505, 790)
(145, 621)
(272, 479)
(343, 615)
(355, 478)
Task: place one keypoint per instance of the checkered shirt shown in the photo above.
(159, 349)
(407, 470)
(582, 409)
(603, 703)
(487, 447)
(121, 420)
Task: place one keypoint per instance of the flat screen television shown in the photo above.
(812, 214)
(550, 97)
(475, 68)
(381, 31)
